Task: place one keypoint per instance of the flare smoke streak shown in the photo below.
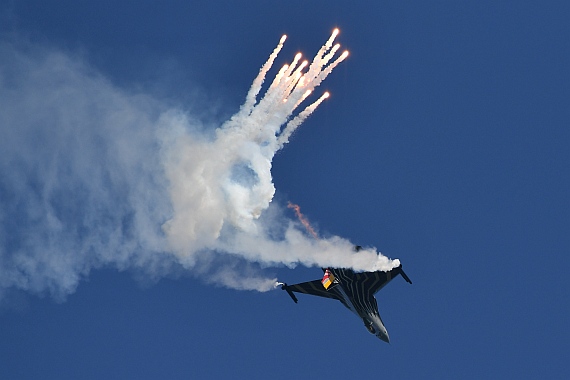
(304, 221)
(93, 176)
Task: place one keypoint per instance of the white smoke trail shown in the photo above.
(81, 183)
(298, 120)
(258, 82)
(220, 188)
(93, 176)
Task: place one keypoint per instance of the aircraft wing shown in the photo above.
(314, 288)
(374, 281)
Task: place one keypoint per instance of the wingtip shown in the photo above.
(404, 275)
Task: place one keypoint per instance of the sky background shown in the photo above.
(444, 144)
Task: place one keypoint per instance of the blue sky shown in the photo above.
(444, 144)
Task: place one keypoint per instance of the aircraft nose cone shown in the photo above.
(384, 337)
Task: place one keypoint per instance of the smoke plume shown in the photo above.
(95, 176)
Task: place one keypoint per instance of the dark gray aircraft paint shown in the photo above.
(355, 291)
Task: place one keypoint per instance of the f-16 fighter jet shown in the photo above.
(354, 290)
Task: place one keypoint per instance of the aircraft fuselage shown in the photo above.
(363, 305)
(355, 290)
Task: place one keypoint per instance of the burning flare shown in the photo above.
(221, 188)
(125, 181)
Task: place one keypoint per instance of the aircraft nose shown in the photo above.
(384, 336)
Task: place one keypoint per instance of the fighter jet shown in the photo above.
(354, 290)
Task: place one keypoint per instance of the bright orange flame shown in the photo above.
(302, 219)
(283, 38)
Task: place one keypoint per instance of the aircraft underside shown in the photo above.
(355, 291)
